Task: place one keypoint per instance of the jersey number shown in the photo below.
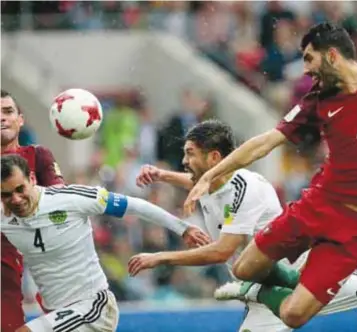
(38, 243)
(63, 314)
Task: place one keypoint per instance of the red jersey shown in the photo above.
(335, 119)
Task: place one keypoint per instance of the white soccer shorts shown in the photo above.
(97, 314)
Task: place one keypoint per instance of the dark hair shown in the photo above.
(9, 162)
(5, 94)
(325, 35)
(212, 135)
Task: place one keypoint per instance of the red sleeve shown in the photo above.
(301, 124)
(47, 170)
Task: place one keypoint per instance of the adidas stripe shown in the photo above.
(241, 186)
(90, 317)
(74, 190)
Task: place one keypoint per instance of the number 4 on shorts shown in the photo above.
(63, 314)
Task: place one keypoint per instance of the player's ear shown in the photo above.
(33, 179)
(331, 56)
(215, 157)
(21, 120)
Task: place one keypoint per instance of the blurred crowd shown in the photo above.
(257, 42)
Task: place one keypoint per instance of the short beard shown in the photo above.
(329, 77)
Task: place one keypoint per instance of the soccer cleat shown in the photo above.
(238, 290)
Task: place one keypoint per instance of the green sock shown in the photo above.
(272, 297)
(282, 275)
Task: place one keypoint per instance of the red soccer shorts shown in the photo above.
(329, 228)
(12, 315)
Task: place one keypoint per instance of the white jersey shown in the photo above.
(243, 205)
(57, 244)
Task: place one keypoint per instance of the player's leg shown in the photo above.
(93, 315)
(283, 237)
(327, 267)
(252, 264)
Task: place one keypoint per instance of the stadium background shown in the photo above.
(158, 68)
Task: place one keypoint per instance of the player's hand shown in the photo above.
(141, 262)
(148, 175)
(194, 237)
(200, 188)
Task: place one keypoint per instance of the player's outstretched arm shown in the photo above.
(250, 151)
(120, 205)
(217, 252)
(150, 174)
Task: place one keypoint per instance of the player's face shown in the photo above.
(196, 161)
(317, 66)
(11, 121)
(18, 193)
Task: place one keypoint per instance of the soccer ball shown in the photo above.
(76, 114)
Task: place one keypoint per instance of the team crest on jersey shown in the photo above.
(228, 218)
(58, 217)
(103, 195)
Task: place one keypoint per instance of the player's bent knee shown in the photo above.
(294, 317)
(242, 270)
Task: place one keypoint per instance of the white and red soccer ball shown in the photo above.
(76, 114)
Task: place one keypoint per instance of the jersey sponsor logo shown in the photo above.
(228, 218)
(103, 195)
(58, 217)
(332, 113)
(292, 114)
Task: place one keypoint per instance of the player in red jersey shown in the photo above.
(325, 218)
(42, 163)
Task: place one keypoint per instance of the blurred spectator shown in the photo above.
(177, 19)
(165, 280)
(194, 108)
(274, 12)
(120, 129)
(147, 141)
(27, 136)
(283, 50)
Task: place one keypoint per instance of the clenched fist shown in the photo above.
(148, 175)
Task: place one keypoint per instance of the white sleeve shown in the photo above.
(155, 214)
(246, 208)
(86, 200)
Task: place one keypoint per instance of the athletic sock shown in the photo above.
(282, 275)
(272, 297)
